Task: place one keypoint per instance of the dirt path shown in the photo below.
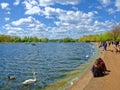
(111, 81)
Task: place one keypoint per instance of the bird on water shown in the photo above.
(30, 81)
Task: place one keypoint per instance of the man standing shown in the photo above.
(105, 45)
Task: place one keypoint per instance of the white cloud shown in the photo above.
(14, 30)
(71, 23)
(111, 10)
(46, 2)
(50, 12)
(75, 21)
(106, 2)
(16, 2)
(64, 15)
(26, 26)
(7, 19)
(29, 4)
(33, 10)
(99, 7)
(102, 26)
(9, 28)
(8, 12)
(4, 6)
(63, 2)
(64, 28)
(32, 7)
(117, 4)
(25, 21)
(75, 18)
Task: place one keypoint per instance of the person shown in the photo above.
(119, 47)
(105, 45)
(97, 70)
(103, 66)
(116, 48)
(100, 44)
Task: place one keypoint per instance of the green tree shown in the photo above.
(15, 39)
(35, 39)
(27, 39)
(107, 36)
(44, 39)
(5, 38)
(67, 39)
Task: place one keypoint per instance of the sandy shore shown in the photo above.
(111, 81)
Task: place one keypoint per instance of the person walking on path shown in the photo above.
(105, 45)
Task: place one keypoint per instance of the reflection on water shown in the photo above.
(51, 61)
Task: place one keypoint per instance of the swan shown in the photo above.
(30, 81)
(11, 77)
(87, 56)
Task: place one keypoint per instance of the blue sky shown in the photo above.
(56, 19)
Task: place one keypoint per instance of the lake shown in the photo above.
(56, 64)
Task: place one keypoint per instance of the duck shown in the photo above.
(30, 81)
(11, 77)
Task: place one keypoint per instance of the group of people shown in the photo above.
(104, 45)
(99, 68)
(115, 44)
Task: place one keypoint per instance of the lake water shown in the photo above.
(56, 64)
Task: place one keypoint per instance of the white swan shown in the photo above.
(11, 77)
(30, 81)
(87, 56)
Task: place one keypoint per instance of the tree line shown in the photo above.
(112, 35)
(15, 39)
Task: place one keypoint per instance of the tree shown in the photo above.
(5, 38)
(35, 39)
(67, 39)
(107, 36)
(44, 40)
(15, 39)
(116, 32)
(27, 39)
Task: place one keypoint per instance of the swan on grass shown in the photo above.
(30, 81)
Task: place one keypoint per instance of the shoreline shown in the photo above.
(110, 81)
(73, 76)
(82, 82)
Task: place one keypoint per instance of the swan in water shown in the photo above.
(87, 56)
(11, 77)
(30, 81)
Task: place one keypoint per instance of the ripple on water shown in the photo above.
(53, 62)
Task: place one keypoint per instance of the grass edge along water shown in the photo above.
(70, 78)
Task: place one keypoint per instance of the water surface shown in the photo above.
(53, 62)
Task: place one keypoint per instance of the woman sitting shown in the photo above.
(103, 66)
(97, 69)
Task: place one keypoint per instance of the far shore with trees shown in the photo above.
(112, 35)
